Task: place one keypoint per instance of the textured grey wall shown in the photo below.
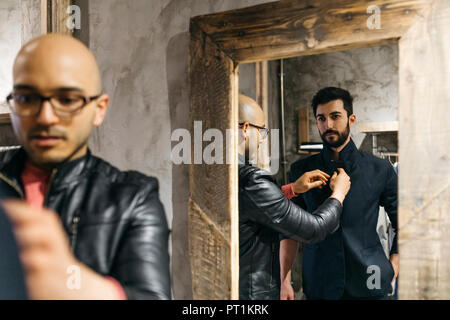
(10, 42)
(142, 48)
(247, 79)
(31, 19)
(370, 74)
(19, 22)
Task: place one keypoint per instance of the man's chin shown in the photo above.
(333, 143)
(47, 157)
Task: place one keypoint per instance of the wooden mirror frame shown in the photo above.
(283, 29)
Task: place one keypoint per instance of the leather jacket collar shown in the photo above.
(14, 161)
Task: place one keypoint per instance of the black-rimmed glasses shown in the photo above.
(63, 104)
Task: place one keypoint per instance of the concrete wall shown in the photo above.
(10, 43)
(369, 74)
(142, 49)
(19, 22)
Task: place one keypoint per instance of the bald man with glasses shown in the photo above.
(265, 210)
(85, 229)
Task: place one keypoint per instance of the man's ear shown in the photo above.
(100, 110)
(243, 130)
(351, 120)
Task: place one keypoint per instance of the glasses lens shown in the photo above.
(67, 102)
(25, 104)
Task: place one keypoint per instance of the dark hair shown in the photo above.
(328, 94)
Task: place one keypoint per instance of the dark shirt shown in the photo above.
(345, 260)
(12, 283)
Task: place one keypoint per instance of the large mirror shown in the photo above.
(381, 52)
(285, 89)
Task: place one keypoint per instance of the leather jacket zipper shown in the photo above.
(73, 231)
(13, 185)
(75, 219)
(271, 262)
(49, 186)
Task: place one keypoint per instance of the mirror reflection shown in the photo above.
(329, 232)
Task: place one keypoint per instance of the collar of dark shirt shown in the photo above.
(347, 157)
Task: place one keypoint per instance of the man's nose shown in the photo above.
(329, 124)
(46, 115)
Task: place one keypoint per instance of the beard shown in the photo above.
(342, 137)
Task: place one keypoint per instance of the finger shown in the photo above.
(33, 236)
(19, 212)
(341, 170)
(315, 184)
(334, 175)
(319, 175)
(323, 173)
(33, 260)
(323, 177)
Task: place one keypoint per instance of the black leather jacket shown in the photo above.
(114, 220)
(264, 212)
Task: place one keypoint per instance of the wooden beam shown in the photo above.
(303, 125)
(44, 16)
(424, 135)
(55, 14)
(376, 127)
(262, 97)
(5, 118)
(294, 28)
(213, 192)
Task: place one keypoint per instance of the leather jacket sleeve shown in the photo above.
(142, 263)
(268, 205)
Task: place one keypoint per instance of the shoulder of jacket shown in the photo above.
(7, 155)
(250, 174)
(378, 162)
(128, 177)
(250, 170)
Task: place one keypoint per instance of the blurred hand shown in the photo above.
(310, 180)
(340, 184)
(47, 258)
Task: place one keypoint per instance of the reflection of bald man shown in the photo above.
(264, 211)
(104, 234)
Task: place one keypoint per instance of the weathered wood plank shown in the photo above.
(303, 125)
(293, 28)
(58, 16)
(210, 255)
(262, 97)
(213, 187)
(424, 135)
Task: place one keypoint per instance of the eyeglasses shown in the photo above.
(264, 132)
(64, 104)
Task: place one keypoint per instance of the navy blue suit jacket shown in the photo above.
(351, 259)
